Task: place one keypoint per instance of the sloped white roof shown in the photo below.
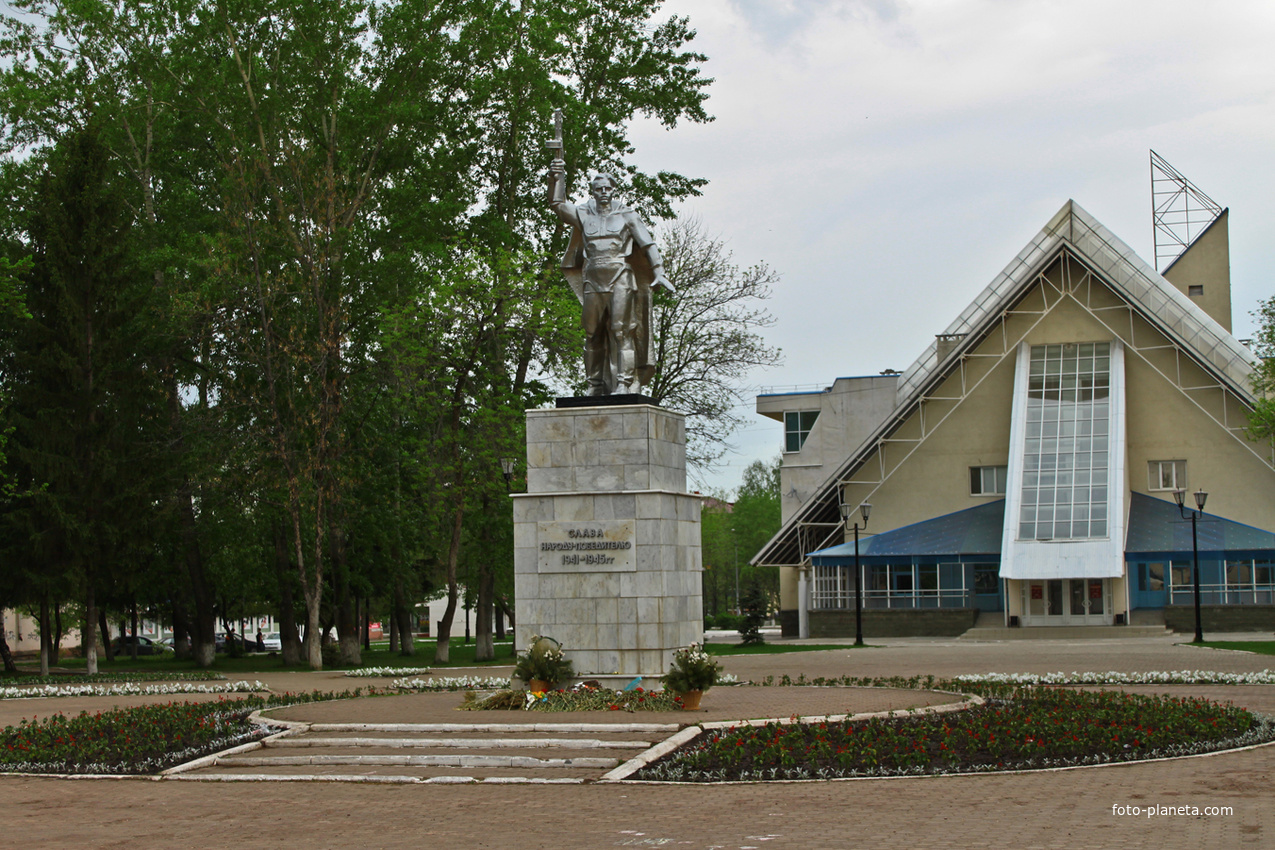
(1139, 283)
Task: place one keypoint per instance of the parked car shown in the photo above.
(234, 639)
(145, 646)
(274, 643)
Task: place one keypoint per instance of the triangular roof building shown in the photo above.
(1077, 384)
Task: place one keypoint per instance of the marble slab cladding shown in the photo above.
(607, 540)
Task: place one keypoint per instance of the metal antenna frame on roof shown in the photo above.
(1179, 211)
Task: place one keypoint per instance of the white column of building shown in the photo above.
(803, 601)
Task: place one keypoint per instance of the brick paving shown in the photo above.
(1062, 809)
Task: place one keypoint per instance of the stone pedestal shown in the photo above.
(607, 540)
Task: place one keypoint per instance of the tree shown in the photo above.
(707, 337)
(1262, 419)
(754, 607)
(298, 174)
(82, 383)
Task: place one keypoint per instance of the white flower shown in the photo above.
(388, 671)
(130, 689)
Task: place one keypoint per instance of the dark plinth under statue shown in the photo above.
(604, 400)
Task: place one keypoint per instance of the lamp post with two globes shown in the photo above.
(864, 510)
(1179, 496)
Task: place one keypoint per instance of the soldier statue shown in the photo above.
(612, 265)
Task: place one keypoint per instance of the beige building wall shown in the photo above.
(849, 411)
(1206, 263)
(23, 633)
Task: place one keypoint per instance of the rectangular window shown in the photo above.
(1166, 474)
(988, 480)
(1065, 456)
(986, 578)
(797, 425)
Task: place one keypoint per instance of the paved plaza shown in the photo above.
(1060, 809)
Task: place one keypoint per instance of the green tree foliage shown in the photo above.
(755, 607)
(82, 392)
(732, 533)
(339, 212)
(1262, 419)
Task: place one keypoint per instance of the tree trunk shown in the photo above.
(484, 649)
(401, 625)
(289, 636)
(499, 616)
(181, 631)
(393, 626)
(89, 635)
(508, 611)
(134, 649)
(204, 625)
(5, 655)
(46, 636)
(403, 617)
(107, 647)
(346, 613)
(365, 624)
(442, 654)
(56, 656)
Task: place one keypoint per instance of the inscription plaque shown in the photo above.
(586, 546)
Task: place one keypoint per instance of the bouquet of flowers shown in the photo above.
(545, 661)
(693, 669)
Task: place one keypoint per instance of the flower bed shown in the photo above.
(988, 682)
(101, 678)
(451, 683)
(130, 689)
(368, 672)
(580, 698)
(1032, 728)
(140, 740)
(1168, 677)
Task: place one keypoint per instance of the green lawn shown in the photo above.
(462, 655)
(1261, 647)
(772, 648)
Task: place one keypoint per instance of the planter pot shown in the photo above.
(690, 700)
(537, 686)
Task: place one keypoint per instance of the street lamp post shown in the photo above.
(864, 510)
(1179, 496)
(507, 469)
(735, 542)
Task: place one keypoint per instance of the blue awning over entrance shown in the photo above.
(962, 536)
(1157, 531)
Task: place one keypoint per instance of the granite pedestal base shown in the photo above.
(607, 540)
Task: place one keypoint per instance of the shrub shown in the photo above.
(754, 605)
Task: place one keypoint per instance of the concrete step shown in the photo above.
(988, 633)
(437, 753)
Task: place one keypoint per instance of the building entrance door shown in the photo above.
(1067, 602)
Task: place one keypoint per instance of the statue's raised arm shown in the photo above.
(612, 264)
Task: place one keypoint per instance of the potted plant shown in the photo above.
(543, 665)
(693, 671)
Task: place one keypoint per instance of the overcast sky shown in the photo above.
(888, 158)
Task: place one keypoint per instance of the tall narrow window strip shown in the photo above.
(1065, 458)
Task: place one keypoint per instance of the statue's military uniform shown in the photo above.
(607, 265)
